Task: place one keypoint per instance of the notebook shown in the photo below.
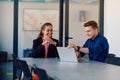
(67, 54)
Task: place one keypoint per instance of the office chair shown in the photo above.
(21, 66)
(112, 59)
(18, 71)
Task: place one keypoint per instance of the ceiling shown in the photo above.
(85, 1)
(54, 1)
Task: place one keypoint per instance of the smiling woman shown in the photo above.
(45, 45)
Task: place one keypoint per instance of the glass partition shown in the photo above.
(32, 14)
(81, 11)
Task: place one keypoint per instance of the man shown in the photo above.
(96, 46)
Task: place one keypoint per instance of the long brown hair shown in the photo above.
(43, 28)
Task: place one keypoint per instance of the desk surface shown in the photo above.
(77, 71)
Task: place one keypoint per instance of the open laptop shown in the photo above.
(67, 54)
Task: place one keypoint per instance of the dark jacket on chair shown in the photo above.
(39, 49)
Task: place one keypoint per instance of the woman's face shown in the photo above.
(48, 31)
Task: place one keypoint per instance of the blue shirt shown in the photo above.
(98, 48)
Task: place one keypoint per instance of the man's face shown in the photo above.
(91, 33)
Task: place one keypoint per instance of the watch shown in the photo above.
(78, 48)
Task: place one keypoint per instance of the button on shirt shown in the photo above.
(98, 48)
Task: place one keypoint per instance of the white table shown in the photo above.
(77, 71)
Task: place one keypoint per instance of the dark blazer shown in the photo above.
(39, 49)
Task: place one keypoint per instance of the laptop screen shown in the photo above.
(67, 54)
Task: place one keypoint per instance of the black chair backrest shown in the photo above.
(112, 59)
(25, 68)
(18, 70)
(22, 66)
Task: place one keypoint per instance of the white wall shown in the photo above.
(6, 27)
(112, 25)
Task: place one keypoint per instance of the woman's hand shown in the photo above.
(45, 42)
(52, 42)
(49, 41)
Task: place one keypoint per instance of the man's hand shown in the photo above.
(71, 45)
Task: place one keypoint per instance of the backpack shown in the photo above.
(41, 73)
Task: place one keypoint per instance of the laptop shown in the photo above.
(67, 54)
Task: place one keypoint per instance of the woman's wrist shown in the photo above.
(55, 43)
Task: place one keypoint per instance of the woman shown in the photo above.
(45, 46)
